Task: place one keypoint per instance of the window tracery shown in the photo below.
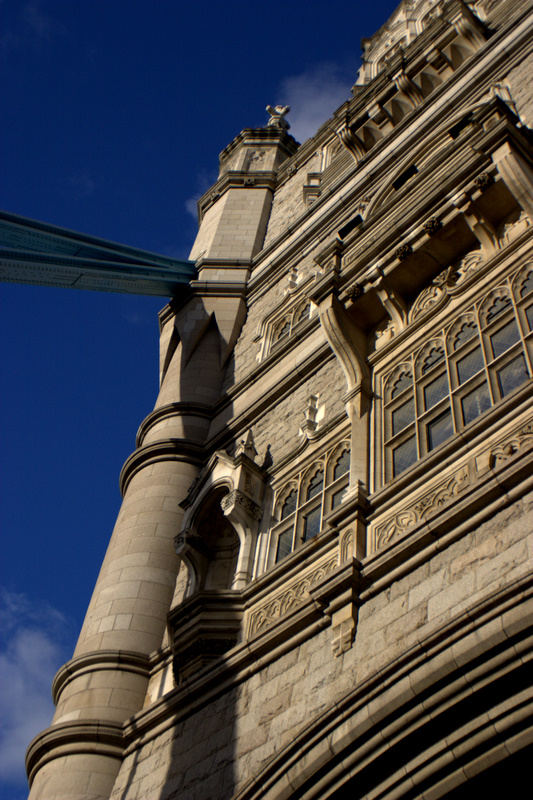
(464, 370)
(286, 326)
(301, 505)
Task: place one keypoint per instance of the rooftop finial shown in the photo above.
(277, 117)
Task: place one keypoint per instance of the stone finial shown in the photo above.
(277, 117)
(246, 446)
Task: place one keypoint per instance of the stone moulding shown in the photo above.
(291, 597)
(85, 737)
(447, 491)
(125, 660)
(238, 498)
(164, 450)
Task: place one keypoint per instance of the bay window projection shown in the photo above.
(461, 372)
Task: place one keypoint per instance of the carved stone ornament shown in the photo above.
(483, 181)
(355, 291)
(346, 548)
(503, 452)
(343, 637)
(292, 597)
(425, 507)
(384, 333)
(425, 301)
(277, 117)
(432, 225)
(510, 230)
(403, 252)
(234, 498)
(448, 490)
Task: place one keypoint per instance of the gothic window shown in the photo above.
(288, 325)
(483, 356)
(301, 505)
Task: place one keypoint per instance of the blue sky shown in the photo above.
(114, 112)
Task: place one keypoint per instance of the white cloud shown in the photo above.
(314, 95)
(204, 180)
(33, 648)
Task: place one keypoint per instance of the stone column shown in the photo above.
(106, 680)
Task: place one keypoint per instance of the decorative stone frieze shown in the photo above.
(445, 493)
(290, 598)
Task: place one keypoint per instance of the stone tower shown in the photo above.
(317, 583)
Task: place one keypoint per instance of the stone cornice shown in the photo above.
(84, 736)
(453, 94)
(269, 135)
(94, 661)
(178, 409)
(164, 450)
(235, 179)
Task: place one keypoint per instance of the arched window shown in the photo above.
(310, 496)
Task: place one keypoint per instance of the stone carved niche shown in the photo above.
(217, 547)
(223, 510)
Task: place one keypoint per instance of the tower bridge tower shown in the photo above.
(319, 580)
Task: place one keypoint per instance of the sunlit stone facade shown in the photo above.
(318, 581)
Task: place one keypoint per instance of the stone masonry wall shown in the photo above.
(279, 426)
(289, 202)
(212, 753)
(519, 81)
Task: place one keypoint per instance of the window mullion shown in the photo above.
(486, 362)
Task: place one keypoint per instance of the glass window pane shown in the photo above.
(284, 545)
(504, 338)
(469, 365)
(342, 466)
(311, 526)
(529, 317)
(289, 506)
(439, 429)
(404, 455)
(315, 485)
(402, 416)
(435, 391)
(500, 305)
(512, 375)
(475, 403)
(467, 331)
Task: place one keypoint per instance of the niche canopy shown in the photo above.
(47, 255)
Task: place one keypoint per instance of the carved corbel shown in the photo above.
(350, 141)
(470, 27)
(480, 227)
(349, 345)
(516, 174)
(408, 88)
(438, 60)
(347, 342)
(391, 301)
